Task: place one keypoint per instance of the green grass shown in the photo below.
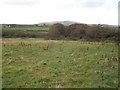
(27, 28)
(38, 63)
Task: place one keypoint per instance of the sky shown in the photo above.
(37, 11)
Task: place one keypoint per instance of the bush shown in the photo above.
(56, 31)
(77, 30)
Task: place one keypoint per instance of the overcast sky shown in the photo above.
(36, 11)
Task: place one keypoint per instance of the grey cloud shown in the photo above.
(94, 4)
(87, 3)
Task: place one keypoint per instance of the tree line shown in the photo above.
(83, 31)
(71, 32)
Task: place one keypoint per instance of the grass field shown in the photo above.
(26, 28)
(38, 63)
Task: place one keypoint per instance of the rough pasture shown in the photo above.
(38, 63)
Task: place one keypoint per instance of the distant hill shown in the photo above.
(67, 23)
(106, 25)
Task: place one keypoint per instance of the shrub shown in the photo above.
(77, 30)
(56, 31)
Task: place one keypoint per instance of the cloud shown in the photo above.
(19, 2)
(36, 11)
(83, 3)
(94, 3)
(111, 4)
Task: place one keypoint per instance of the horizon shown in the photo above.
(60, 21)
(40, 11)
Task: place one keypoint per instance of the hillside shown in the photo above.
(66, 23)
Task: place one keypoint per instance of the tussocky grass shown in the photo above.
(39, 63)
